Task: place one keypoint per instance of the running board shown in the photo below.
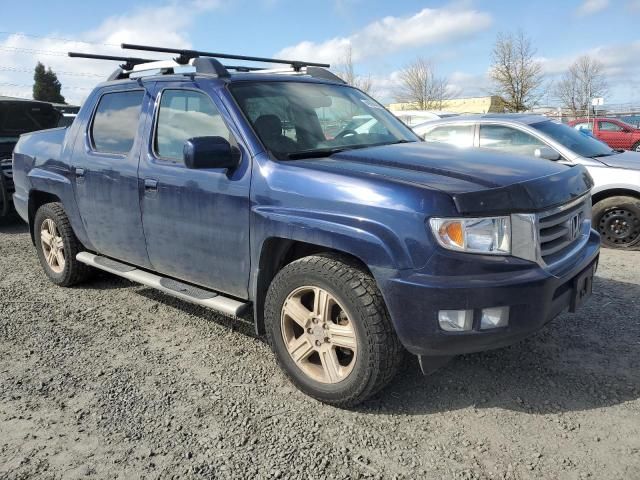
(184, 291)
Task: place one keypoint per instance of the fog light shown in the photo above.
(495, 317)
(455, 320)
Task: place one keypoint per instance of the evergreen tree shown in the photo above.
(46, 86)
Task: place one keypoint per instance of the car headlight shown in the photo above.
(489, 235)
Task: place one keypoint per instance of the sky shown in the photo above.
(384, 36)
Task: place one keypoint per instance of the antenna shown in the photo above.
(185, 55)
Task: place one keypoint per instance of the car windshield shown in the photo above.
(575, 141)
(304, 119)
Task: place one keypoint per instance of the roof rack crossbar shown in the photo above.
(185, 55)
(128, 62)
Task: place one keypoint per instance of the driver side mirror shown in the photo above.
(210, 152)
(547, 153)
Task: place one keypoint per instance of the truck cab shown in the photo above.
(238, 188)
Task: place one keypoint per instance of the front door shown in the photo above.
(196, 222)
(105, 163)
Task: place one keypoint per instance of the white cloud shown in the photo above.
(157, 25)
(390, 34)
(589, 7)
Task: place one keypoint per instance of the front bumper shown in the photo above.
(535, 296)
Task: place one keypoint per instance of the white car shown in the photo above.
(616, 173)
(413, 118)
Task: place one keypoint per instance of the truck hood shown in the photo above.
(627, 159)
(478, 181)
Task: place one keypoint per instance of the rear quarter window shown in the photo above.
(115, 121)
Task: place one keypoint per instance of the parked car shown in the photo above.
(416, 117)
(615, 133)
(616, 194)
(18, 116)
(350, 249)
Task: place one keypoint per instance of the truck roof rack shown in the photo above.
(185, 55)
(196, 61)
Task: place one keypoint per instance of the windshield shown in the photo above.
(575, 141)
(296, 119)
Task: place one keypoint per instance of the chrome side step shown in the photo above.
(184, 291)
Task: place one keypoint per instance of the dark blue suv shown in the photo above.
(232, 188)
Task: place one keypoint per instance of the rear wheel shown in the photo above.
(330, 331)
(57, 246)
(618, 221)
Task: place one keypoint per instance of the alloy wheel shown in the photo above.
(52, 245)
(319, 335)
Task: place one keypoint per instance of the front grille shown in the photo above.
(563, 228)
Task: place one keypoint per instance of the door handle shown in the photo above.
(79, 174)
(150, 185)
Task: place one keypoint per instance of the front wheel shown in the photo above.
(58, 246)
(329, 328)
(618, 221)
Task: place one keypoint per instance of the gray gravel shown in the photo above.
(114, 380)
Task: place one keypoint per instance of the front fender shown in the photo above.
(373, 243)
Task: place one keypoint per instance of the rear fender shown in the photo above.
(57, 184)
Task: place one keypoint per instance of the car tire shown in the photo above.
(636, 147)
(373, 353)
(5, 197)
(617, 219)
(57, 246)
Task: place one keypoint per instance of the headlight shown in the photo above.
(490, 235)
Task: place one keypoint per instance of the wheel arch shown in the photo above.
(614, 192)
(37, 198)
(276, 253)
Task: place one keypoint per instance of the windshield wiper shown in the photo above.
(324, 152)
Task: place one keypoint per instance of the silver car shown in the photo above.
(616, 194)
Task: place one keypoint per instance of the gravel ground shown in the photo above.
(114, 380)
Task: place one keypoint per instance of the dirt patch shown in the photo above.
(114, 380)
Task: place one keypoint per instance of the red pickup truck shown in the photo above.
(613, 132)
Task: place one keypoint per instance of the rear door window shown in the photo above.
(507, 139)
(115, 121)
(458, 135)
(609, 127)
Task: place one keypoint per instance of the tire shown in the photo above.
(617, 219)
(636, 147)
(64, 271)
(355, 306)
(5, 197)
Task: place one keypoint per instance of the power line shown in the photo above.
(55, 53)
(47, 37)
(26, 70)
(25, 85)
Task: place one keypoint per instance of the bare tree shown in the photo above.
(515, 72)
(583, 81)
(420, 86)
(346, 71)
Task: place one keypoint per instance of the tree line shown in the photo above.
(516, 74)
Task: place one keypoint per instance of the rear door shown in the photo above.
(105, 163)
(196, 222)
(508, 139)
(614, 135)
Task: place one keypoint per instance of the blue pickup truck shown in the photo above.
(235, 187)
